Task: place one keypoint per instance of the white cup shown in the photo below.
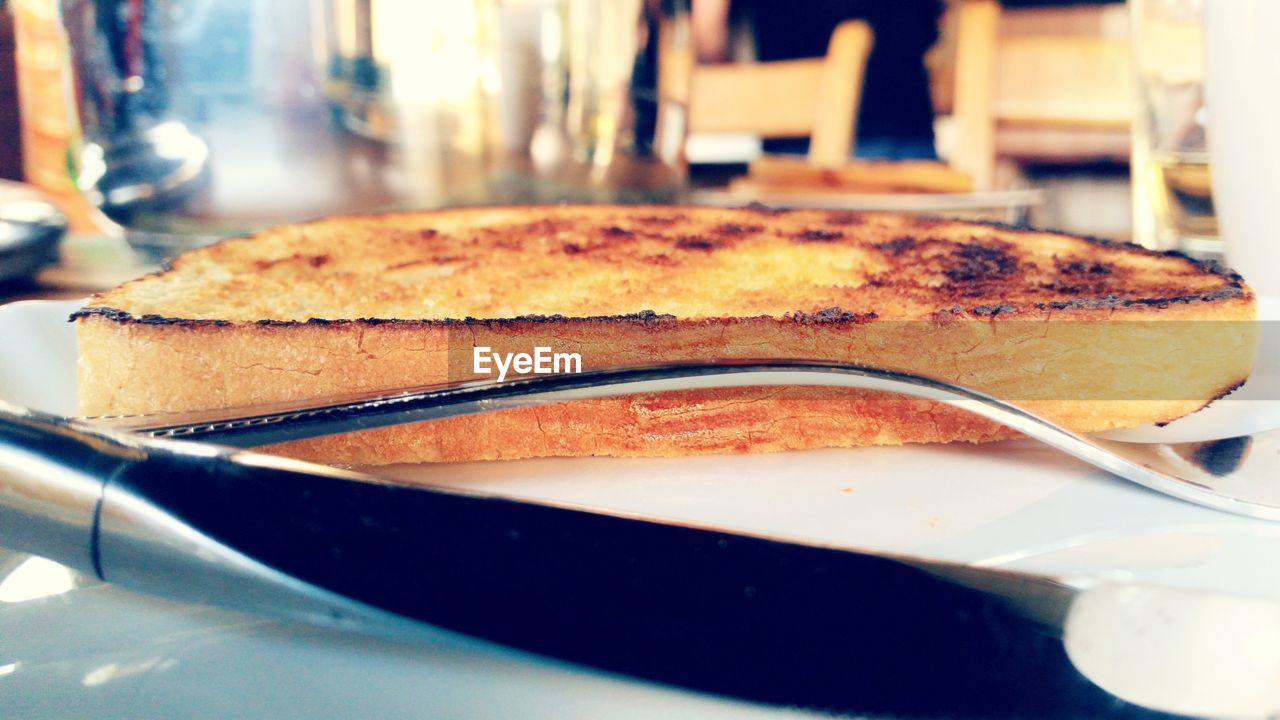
(1242, 87)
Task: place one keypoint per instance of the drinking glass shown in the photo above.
(1173, 205)
(201, 119)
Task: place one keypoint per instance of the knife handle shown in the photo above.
(112, 505)
(52, 478)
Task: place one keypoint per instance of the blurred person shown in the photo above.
(895, 120)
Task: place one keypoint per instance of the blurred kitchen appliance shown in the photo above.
(203, 118)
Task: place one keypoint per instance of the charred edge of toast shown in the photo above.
(843, 218)
(1213, 267)
(647, 318)
(1110, 302)
(1225, 391)
(1233, 288)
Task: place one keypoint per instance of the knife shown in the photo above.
(765, 619)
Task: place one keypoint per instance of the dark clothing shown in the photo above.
(895, 110)
(896, 116)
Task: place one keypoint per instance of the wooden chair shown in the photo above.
(817, 97)
(1016, 92)
(1035, 96)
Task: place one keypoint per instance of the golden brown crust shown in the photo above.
(572, 263)
(1007, 311)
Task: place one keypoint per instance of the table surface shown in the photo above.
(87, 264)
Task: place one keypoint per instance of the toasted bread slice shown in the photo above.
(1093, 334)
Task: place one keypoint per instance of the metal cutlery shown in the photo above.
(767, 619)
(1236, 474)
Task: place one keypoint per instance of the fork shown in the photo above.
(1236, 474)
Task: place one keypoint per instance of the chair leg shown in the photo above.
(836, 111)
(974, 113)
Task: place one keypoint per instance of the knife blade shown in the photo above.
(760, 618)
(299, 420)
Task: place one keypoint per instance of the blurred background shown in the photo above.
(156, 125)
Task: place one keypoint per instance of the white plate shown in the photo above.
(1012, 504)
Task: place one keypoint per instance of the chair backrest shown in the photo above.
(817, 98)
(1056, 85)
(1076, 81)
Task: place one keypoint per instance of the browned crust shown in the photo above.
(1231, 287)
